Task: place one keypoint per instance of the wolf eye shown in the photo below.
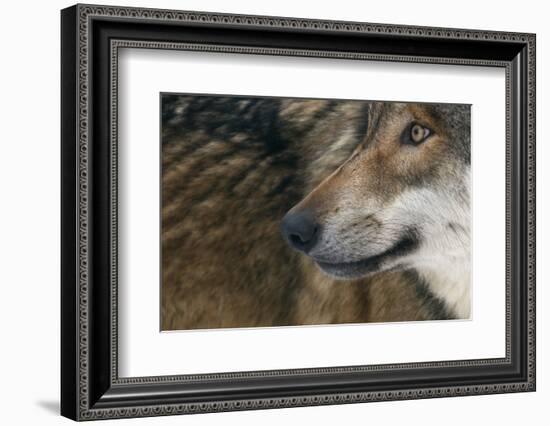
(416, 134)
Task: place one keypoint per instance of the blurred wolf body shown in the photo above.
(231, 168)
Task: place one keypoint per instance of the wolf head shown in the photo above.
(400, 201)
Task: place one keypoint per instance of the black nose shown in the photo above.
(300, 230)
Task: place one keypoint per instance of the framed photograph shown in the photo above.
(263, 212)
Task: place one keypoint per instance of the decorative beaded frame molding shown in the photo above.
(84, 409)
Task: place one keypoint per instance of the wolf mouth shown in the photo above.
(360, 268)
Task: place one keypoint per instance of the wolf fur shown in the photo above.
(231, 168)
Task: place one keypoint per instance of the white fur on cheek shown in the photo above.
(443, 259)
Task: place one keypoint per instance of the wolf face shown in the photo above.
(400, 201)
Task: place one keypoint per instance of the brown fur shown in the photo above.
(225, 188)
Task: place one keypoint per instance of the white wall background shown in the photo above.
(29, 212)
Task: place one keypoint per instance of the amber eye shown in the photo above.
(418, 133)
(415, 134)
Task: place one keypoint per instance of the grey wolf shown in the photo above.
(231, 168)
(400, 202)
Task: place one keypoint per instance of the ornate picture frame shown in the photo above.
(91, 37)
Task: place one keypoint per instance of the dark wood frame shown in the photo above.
(90, 386)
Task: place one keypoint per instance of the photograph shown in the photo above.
(293, 211)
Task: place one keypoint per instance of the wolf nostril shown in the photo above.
(296, 239)
(300, 230)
